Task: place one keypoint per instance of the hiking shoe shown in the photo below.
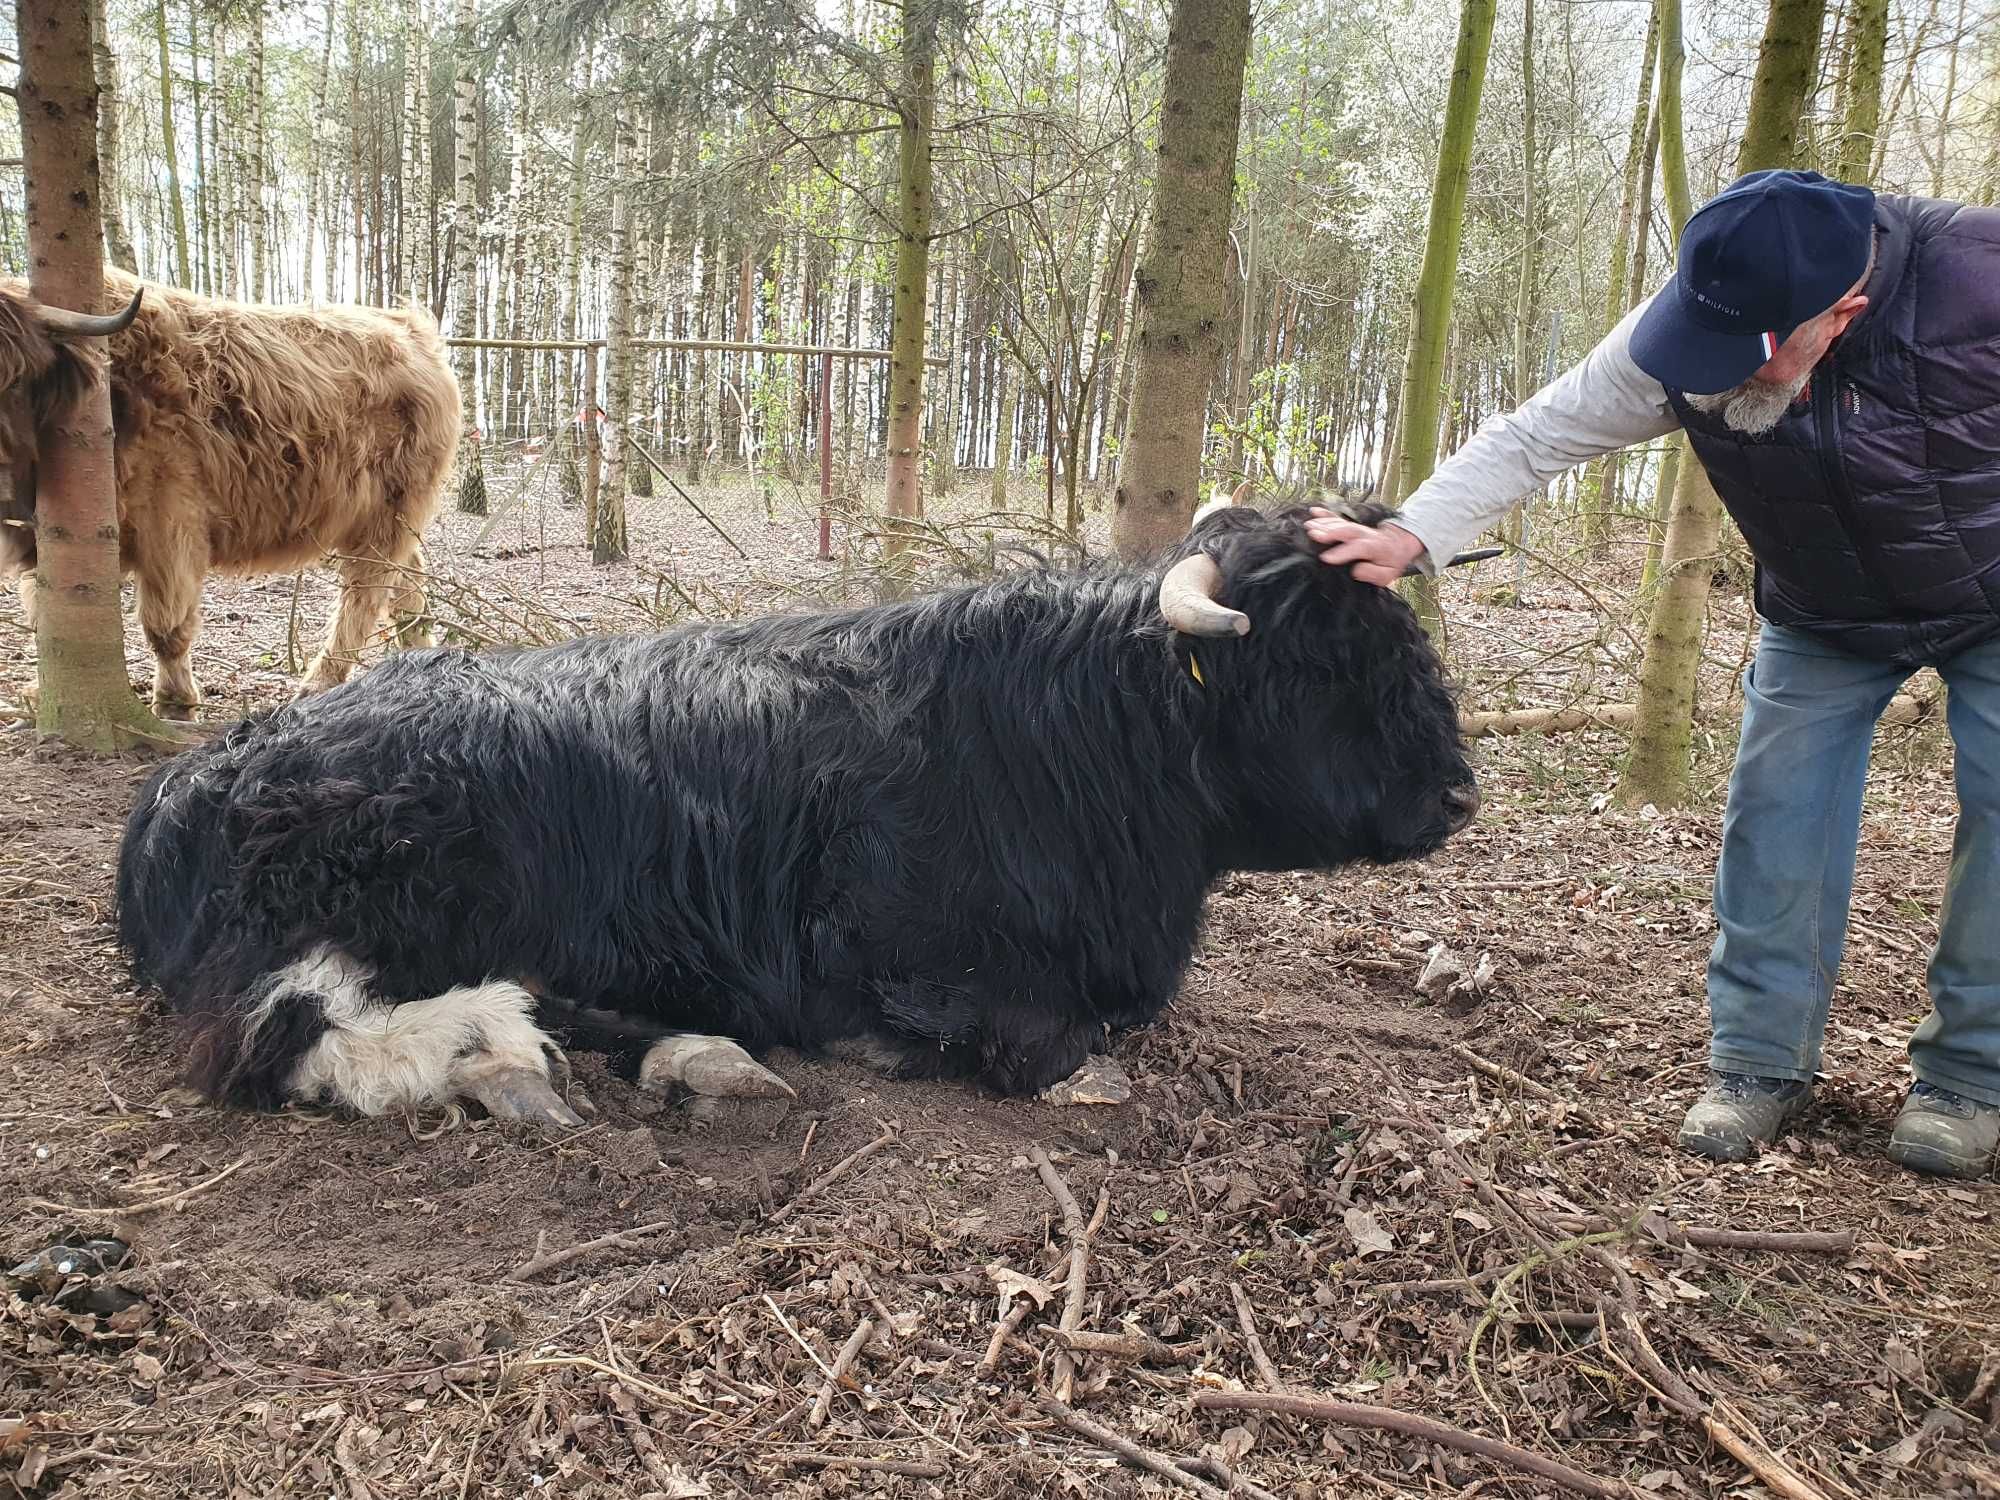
(1945, 1134)
(1739, 1113)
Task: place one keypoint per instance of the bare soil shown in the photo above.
(326, 1306)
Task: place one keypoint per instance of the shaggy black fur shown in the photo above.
(980, 823)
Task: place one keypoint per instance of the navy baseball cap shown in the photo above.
(1767, 253)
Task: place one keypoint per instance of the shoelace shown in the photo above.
(1945, 1099)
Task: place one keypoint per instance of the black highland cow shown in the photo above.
(968, 834)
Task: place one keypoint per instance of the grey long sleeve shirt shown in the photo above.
(1602, 404)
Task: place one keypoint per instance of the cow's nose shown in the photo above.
(1461, 804)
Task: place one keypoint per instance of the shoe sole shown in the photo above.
(1738, 1148)
(1934, 1161)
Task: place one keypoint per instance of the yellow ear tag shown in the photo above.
(1195, 668)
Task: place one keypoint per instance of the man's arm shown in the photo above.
(1602, 404)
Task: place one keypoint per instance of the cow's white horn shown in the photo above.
(61, 323)
(1187, 599)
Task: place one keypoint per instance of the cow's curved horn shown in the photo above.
(61, 323)
(1187, 599)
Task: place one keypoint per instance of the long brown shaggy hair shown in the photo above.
(250, 439)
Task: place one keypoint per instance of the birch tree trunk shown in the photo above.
(416, 265)
(1524, 301)
(465, 252)
(1179, 283)
(170, 150)
(84, 695)
(905, 496)
(608, 537)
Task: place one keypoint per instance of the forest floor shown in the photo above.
(1319, 1181)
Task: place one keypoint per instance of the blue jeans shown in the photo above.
(1787, 869)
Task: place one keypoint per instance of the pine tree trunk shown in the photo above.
(608, 539)
(1180, 279)
(1787, 62)
(905, 497)
(465, 252)
(1003, 440)
(84, 695)
(170, 150)
(1867, 40)
(110, 135)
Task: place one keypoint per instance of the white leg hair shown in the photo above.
(375, 1057)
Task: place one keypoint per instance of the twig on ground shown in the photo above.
(1500, 1073)
(841, 1362)
(118, 1209)
(1409, 1424)
(1004, 1330)
(799, 1338)
(619, 1239)
(641, 1438)
(1344, 1191)
(1266, 1371)
(585, 1362)
(1080, 1236)
(1131, 1452)
(1206, 1467)
(1140, 1347)
(834, 1173)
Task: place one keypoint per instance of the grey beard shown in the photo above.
(1752, 408)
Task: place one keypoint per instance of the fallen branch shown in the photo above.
(618, 1239)
(641, 1439)
(1131, 1452)
(841, 1363)
(120, 1209)
(1780, 1241)
(834, 1173)
(908, 1468)
(1266, 1371)
(1904, 708)
(1409, 1424)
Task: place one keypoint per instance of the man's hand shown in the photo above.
(1377, 554)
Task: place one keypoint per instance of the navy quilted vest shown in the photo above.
(1873, 507)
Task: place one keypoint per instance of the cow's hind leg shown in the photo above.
(372, 583)
(317, 1032)
(169, 591)
(713, 1066)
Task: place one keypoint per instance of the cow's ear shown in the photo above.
(59, 389)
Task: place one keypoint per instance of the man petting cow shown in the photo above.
(1834, 358)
